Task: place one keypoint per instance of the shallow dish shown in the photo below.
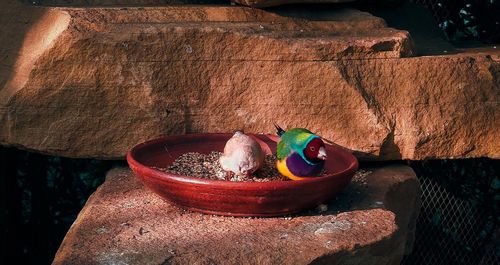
(221, 197)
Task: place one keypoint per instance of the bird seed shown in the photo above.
(207, 166)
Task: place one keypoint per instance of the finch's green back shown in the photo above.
(292, 140)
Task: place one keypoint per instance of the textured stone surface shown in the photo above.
(254, 3)
(95, 82)
(124, 3)
(371, 222)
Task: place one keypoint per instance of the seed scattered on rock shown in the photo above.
(360, 176)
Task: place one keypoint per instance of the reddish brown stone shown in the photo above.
(95, 82)
(370, 223)
(253, 3)
(124, 3)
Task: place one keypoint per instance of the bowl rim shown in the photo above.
(274, 184)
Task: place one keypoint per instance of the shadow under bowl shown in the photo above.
(273, 198)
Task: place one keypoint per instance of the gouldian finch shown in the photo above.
(300, 153)
(242, 155)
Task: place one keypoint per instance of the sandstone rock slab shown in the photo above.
(122, 3)
(98, 3)
(371, 222)
(95, 82)
(268, 3)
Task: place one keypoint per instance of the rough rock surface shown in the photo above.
(123, 3)
(253, 3)
(95, 82)
(371, 222)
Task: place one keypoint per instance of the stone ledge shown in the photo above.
(100, 3)
(371, 222)
(124, 3)
(79, 84)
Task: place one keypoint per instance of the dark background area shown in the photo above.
(466, 19)
(40, 195)
(460, 213)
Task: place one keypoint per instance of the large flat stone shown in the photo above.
(122, 3)
(94, 82)
(253, 3)
(371, 222)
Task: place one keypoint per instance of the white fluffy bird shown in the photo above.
(242, 155)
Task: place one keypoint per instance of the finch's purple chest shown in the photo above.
(300, 168)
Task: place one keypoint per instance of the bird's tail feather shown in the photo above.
(279, 130)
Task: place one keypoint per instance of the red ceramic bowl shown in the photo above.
(235, 198)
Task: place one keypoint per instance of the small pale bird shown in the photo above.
(242, 155)
(300, 153)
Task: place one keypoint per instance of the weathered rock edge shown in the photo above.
(371, 222)
(253, 3)
(95, 82)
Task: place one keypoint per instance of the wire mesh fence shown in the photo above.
(455, 229)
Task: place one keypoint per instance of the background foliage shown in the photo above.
(467, 19)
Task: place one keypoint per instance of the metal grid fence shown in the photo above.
(452, 230)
